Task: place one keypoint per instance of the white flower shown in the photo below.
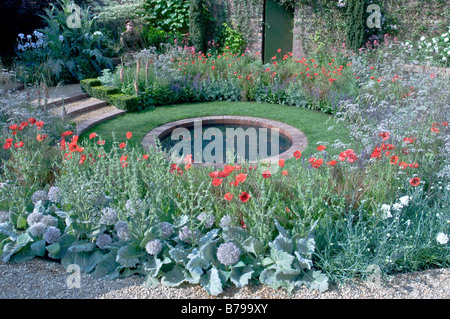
(429, 44)
(446, 40)
(386, 209)
(404, 200)
(20, 47)
(397, 206)
(444, 58)
(61, 38)
(29, 37)
(442, 238)
(422, 39)
(21, 35)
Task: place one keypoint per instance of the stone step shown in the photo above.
(84, 106)
(88, 120)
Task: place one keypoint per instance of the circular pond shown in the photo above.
(216, 140)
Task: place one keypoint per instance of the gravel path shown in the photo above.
(41, 279)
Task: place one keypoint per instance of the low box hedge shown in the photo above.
(88, 84)
(104, 92)
(130, 103)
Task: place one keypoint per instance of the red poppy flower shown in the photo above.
(18, 145)
(9, 140)
(234, 183)
(320, 148)
(281, 162)
(317, 163)
(415, 181)
(129, 135)
(145, 157)
(408, 140)
(73, 147)
(297, 154)
(40, 138)
(332, 163)
(394, 160)
(187, 166)
(244, 197)
(223, 173)
(188, 158)
(217, 181)
(384, 135)
(13, 127)
(285, 173)
(435, 129)
(63, 145)
(311, 160)
(403, 165)
(102, 142)
(229, 168)
(228, 196)
(376, 152)
(123, 158)
(39, 124)
(24, 124)
(122, 145)
(214, 174)
(82, 159)
(92, 135)
(390, 147)
(32, 121)
(7, 146)
(241, 177)
(266, 174)
(352, 158)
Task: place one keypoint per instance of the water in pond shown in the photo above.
(225, 143)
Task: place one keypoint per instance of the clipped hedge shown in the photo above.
(104, 92)
(130, 103)
(110, 95)
(88, 84)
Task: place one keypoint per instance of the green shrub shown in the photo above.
(198, 22)
(88, 84)
(231, 40)
(130, 103)
(104, 92)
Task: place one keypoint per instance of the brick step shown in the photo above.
(88, 120)
(84, 106)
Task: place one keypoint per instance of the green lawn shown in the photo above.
(315, 125)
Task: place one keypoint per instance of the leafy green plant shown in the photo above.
(168, 15)
(59, 53)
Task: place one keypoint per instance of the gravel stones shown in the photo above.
(41, 279)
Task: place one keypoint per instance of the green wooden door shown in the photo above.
(278, 33)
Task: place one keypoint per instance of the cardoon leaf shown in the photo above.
(316, 280)
(306, 246)
(212, 283)
(196, 265)
(78, 247)
(253, 245)
(179, 255)
(7, 229)
(53, 250)
(283, 232)
(208, 251)
(127, 256)
(282, 243)
(38, 248)
(153, 266)
(240, 276)
(282, 259)
(173, 278)
(106, 265)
